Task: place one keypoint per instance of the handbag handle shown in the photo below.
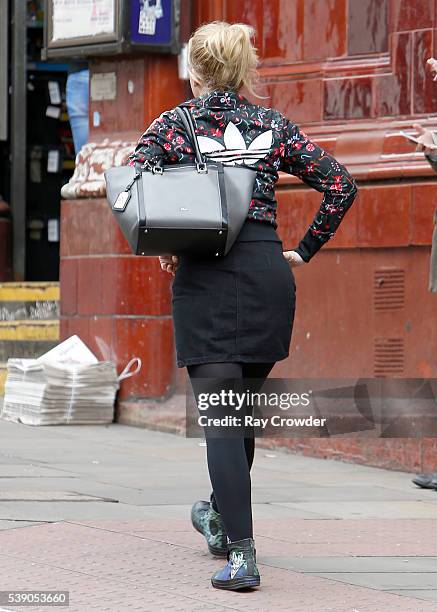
(187, 120)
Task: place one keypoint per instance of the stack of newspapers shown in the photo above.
(67, 385)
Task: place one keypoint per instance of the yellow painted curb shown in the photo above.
(3, 374)
(29, 330)
(29, 292)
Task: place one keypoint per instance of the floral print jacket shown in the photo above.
(234, 131)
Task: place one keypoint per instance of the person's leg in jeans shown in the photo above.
(77, 96)
(229, 457)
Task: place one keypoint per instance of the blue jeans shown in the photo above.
(77, 97)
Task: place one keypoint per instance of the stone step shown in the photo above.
(33, 301)
(24, 292)
(25, 350)
(27, 339)
(29, 330)
(29, 321)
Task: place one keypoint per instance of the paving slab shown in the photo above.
(386, 581)
(370, 509)
(426, 594)
(49, 496)
(331, 536)
(17, 524)
(349, 564)
(24, 470)
(298, 493)
(102, 568)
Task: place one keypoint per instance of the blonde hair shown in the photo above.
(222, 56)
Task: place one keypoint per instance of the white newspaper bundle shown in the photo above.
(67, 385)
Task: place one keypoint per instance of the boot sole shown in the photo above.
(217, 552)
(235, 584)
(424, 486)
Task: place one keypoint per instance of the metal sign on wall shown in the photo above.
(75, 28)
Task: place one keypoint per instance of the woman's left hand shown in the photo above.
(293, 258)
(169, 263)
(425, 138)
(432, 63)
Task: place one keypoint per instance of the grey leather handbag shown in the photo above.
(175, 209)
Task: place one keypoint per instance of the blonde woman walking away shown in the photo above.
(233, 315)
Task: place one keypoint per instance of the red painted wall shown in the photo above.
(352, 74)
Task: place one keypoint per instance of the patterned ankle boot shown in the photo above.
(209, 523)
(241, 571)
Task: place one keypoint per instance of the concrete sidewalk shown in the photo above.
(103, 512)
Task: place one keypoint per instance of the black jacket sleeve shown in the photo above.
(163, 140)
(319, 170)
(432, 158)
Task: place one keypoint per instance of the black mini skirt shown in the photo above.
(236, 308)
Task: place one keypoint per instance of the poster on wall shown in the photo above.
(78, 18)
(79, 22)
(151, 22)
(97, 27)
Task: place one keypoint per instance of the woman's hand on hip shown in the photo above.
(432, 63)
(169, 263)
(426, 140)
(293, 258)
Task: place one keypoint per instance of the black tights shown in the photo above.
(230, 458)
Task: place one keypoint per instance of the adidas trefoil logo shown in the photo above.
(237, 561)
(235, 150)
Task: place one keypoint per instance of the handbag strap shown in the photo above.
(187, 120)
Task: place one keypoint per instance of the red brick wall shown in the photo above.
(352, 74)
(119, 304)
